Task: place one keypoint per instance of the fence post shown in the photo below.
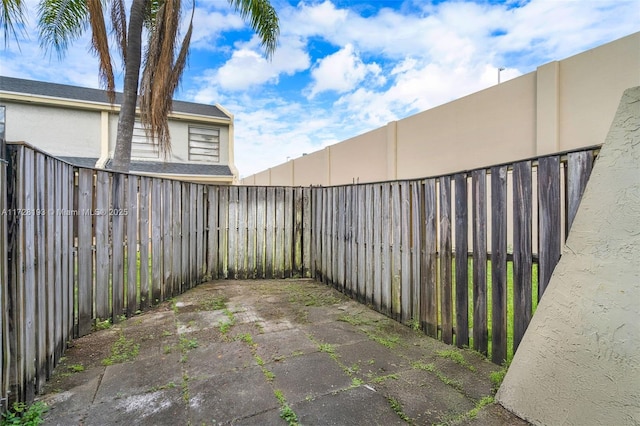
(4, 323)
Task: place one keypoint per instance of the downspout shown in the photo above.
(104, 141)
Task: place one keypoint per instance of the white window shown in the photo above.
(141, 145)
(204, 144)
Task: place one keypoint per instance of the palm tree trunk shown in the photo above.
(122, 153)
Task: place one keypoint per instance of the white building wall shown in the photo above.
(57, 131)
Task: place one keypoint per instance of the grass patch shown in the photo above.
(102, 324)
(327, 347)
(311, 296)
(268, 374)
(246, 338)
(169, 385)
(386, 341)
(185, 388)
(510, 298)
(215, 303)
(498, 376)
(382, 379)
(473, 413)
(397, 407)
(456, 357)
(23, 414)
(225, 326)
(76, 368)
(456, 384)
(356, 382)
(286, 412)
(354, 320)
(122, 350)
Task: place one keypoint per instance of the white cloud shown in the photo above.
(208, 25)
(342, 72)
(247, 67)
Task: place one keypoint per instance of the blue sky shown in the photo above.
(345, 67)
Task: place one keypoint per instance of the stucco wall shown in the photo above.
(58, 131)
(370, 149)
(579, 361)
(489, 127)
(312, 169)
(282, 175)
(588, 100)
(561, 106)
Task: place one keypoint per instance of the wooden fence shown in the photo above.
(404, 246)
(83, 245)
(88, 245)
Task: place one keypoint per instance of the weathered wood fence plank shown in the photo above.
(40, 287)
(131, 214)
(522, 250)
(499, 264)
(462, 260)
(549, 235)
(103, 243)
(144, 228)
(117, 224)
(479, 194)
(405, 252)
(428, 276)
(446, 290)
(171, 247)
(173, 241)
(579, 165)
(85, 254)
(261, 227)
(156, 240)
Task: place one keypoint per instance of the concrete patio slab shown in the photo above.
(268, 353)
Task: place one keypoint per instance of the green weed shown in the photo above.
(122, 350)
(286, 413)
(76, 368)
(381, 379)
(23, 414)
(102, 324)
(327, 347)
(456, 357)
(498, 376)
(397, 407)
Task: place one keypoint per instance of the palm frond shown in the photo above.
(12, 16)
(60, 22)
(119, 26)
(100, 46)
(263, 20)
(158, 81)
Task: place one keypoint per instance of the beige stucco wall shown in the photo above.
(262, 178)
(489, 127)
(51, 128)
(588, 100)
(312, 169)
(579, 360)
(282, 175)
(561, 106)
(370, 150)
